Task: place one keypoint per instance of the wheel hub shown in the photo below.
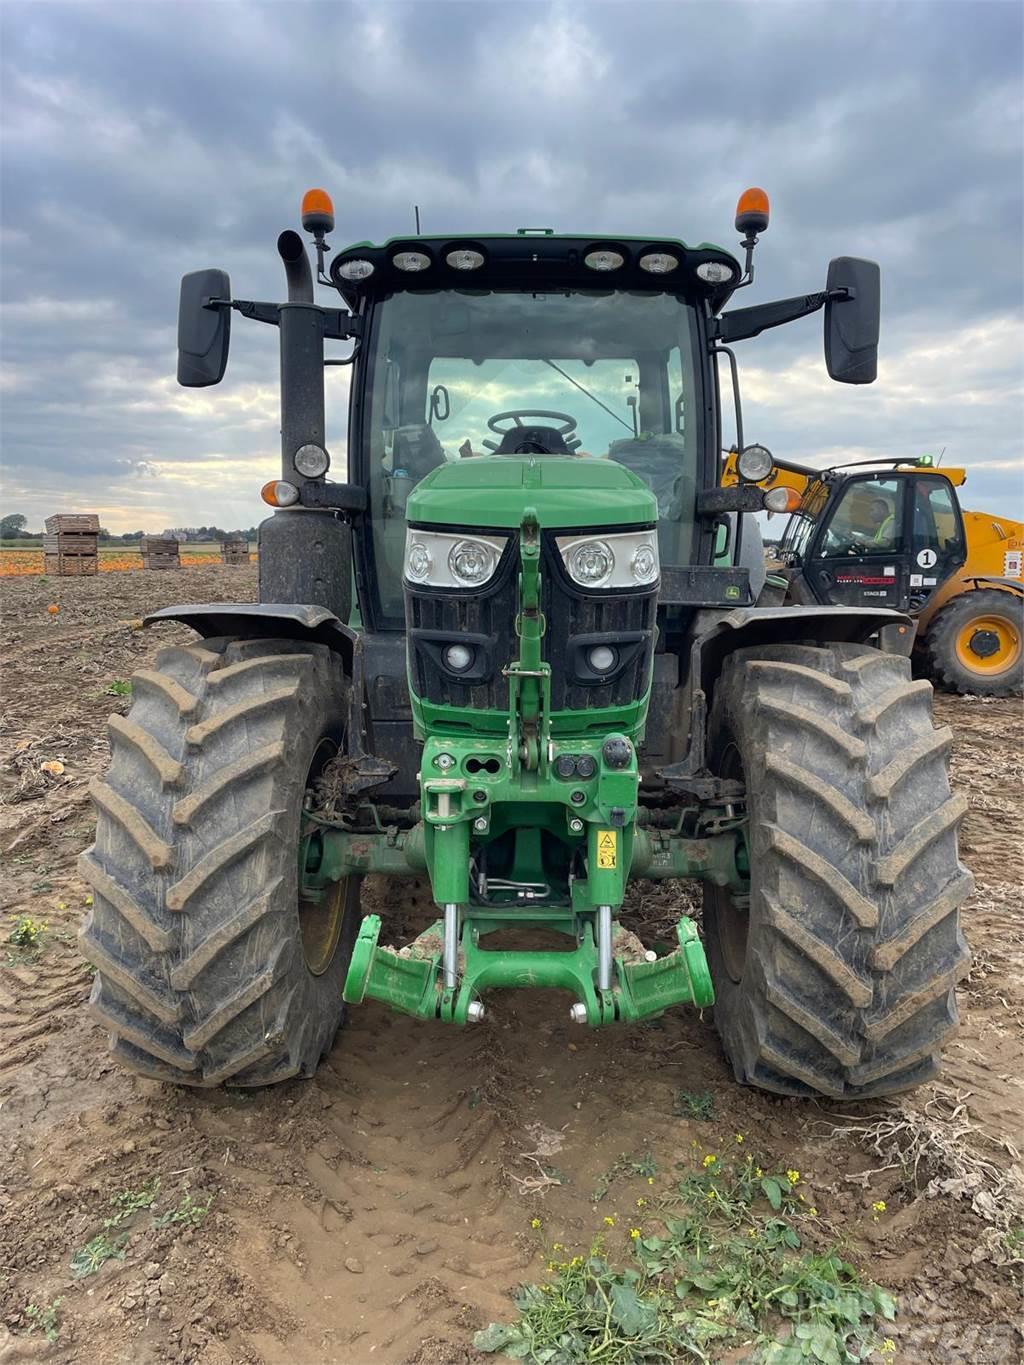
(984, 643)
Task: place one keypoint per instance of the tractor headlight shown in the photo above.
(626, 560)
(311, 461)
(472, 561)
(754, 463)
(442, 560)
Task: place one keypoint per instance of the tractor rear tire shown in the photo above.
(837, 977)
(209, 967)
(994, 617)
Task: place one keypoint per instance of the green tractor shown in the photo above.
(525, 653)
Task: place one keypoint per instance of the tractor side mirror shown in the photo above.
(204, 331)
(852, 323)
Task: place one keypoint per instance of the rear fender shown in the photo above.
(266, 621)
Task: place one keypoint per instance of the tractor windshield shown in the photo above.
(611, 374)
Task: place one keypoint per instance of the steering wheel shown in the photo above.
(566, 424)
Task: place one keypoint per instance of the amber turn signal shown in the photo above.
(277, 493)
(752, 212)
(317, 212)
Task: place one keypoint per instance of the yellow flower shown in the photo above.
(879, 1206)
(759, 1173)
(641, 1203)
(888, 1346)
(534, 1222)
(557, 1246)
(650, 1180)
(576, 1260)
(609, 1221)
(709, 1160)
(635, 1234)
(739, 1137)
(61, 905)
(792, 1177)
(88, 900)
(813, 1212)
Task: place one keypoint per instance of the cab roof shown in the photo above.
(537, 258)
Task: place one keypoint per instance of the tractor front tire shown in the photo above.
(210, 969)
(975, 644)
(835, 975)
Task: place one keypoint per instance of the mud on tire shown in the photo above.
(839, 978)
(202, 970)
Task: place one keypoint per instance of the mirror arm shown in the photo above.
(338, 325)
(749, 322)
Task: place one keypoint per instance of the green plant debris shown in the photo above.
(693, 1104)
(188, 1211)
(120, 687)
(721, 1260)
(46, 1320)
(131, 1201)
(623, 1169)
(88, 1259)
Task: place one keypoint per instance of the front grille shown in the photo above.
(436, 618)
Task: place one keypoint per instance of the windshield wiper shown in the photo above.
(592, 397)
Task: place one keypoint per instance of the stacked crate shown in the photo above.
(160, 552)
(69, 545)
(234, 551)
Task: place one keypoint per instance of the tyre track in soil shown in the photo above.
(413, 1150)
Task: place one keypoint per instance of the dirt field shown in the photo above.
(383, 1211)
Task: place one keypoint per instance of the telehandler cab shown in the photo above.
(556, 673)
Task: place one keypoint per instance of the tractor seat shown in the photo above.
(533, 441)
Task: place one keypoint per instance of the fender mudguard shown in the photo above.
(265, 620)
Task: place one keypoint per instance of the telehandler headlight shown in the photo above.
(627, 559)
(311, 461)
(355, 270)
(754, 463)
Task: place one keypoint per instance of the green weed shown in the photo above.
(88, 1259)
(46, 1320)
(27, 932)
(131, 1201)
(624, 1168)
(188, 1211)
(690, 1104)
(120, 687)
(721, 1259)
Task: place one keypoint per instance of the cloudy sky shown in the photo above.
(143, 140)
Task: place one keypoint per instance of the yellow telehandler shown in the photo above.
(892, 533)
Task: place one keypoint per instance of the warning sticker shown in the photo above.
(608, 848)
(1012, 563)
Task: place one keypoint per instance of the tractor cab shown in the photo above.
(874, 537)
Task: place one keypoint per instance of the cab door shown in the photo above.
(938, 546)
(859, 553)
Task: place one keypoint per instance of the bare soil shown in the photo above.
(382, 1212)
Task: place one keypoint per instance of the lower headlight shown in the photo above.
(440, 559)
(627, 559)
(602, 658)
(458, 658)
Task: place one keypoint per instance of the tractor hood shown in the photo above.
(564, 491)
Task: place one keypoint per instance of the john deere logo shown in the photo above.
(732, 591)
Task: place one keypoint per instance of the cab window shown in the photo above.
(867, 520)
(936, 524)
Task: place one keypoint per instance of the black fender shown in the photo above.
(716, 634)
(266, 620)
(1012, 584)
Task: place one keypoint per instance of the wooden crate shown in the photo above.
(234, 551)
(70, 566)
(160, 552)
(73, 521)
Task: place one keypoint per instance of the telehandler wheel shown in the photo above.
(975, 644)
(210, 968)
(836, 975)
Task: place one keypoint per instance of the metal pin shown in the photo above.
(450, 959)
(604, 947)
